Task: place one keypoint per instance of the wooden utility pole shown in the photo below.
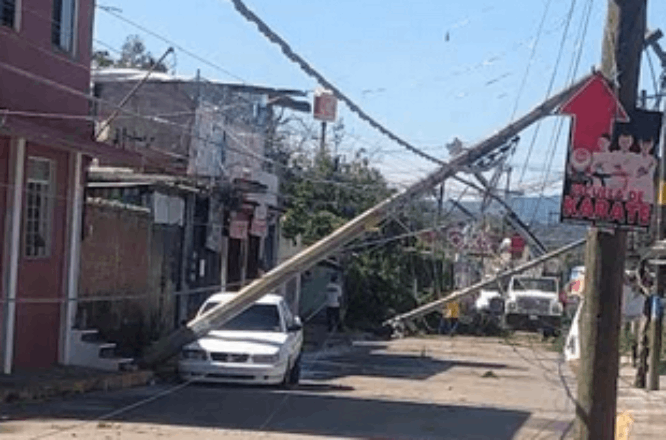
(605, 252)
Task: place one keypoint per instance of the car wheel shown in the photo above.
(294, 375)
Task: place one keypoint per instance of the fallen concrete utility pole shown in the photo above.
(438, 304)
(217, 316)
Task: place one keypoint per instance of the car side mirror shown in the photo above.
(295, 327)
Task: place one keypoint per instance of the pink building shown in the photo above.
(46, 139)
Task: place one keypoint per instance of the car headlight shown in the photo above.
(556, 308)
(266, 358)
(193, 355)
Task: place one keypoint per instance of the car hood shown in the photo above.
(240, 342)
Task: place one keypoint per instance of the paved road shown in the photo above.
(435, 388)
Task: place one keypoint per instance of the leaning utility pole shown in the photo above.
(201, 325)
(605, 251)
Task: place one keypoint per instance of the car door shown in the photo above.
(294, 339)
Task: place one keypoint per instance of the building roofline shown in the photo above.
(129, 75)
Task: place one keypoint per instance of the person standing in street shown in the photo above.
(450, 316)
(333, 298)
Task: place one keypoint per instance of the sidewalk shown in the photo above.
(61, 381)
(648, 408)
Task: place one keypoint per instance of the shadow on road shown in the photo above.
(290, 412)
(371, 361)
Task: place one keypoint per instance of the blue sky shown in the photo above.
(394, 59)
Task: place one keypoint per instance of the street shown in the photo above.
(414, 388)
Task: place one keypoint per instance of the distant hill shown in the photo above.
(543, 217)
(530, 209)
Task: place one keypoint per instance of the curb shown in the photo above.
(67, 387)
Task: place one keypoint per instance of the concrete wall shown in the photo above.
(124, 255)
(167, 99)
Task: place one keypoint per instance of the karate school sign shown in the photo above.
(611, 160)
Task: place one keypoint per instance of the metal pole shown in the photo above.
(171, 345)
(657, 322)
(323, 136)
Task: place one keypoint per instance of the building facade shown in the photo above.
(45, 143)
(215, 132)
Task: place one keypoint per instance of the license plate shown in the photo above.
(533, 317)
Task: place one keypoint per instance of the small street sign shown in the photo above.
(325, 106)
(238, 229)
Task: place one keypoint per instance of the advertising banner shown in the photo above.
(611, 161)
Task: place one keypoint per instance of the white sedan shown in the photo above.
(260, 345)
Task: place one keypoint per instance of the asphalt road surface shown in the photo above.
(433, 388)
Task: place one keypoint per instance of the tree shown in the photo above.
(133, 54)
(321, 192)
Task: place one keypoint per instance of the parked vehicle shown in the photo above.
(261, 345)
(532, 303)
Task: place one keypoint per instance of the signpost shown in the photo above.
(325, 109)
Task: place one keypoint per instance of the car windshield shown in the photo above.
(259, 317)
(543, 284)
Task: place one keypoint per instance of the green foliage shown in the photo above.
(321, 193)
(133, 54)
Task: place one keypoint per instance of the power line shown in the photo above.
(115, 14)
(530, 60)
(309, 70)
(550, 87)
(158, 120)
(575, 63)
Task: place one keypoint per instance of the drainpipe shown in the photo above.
(76, 211)
(13, 230)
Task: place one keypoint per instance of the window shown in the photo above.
(39, 196)
(8, 12)
(259, 317)
(543, 284)
(62, 29)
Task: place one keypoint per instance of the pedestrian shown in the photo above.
(333, 298)
(450, 316)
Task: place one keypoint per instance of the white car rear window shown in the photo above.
(259, 317)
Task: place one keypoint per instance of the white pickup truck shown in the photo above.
(532, 303)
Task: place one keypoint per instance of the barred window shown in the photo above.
(39, 206)
(7, 12)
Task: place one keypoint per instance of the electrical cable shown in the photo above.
(530, 60)
(550, 87)
(575, 63)
(309, 70)
(215, 66)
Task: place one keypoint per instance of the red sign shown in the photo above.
(325, 106)
(238, 229)
(611, 163)
(258, 227)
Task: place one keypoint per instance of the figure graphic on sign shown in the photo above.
(622, 163)
(579, 163)
(602, 161)
(644, 177)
